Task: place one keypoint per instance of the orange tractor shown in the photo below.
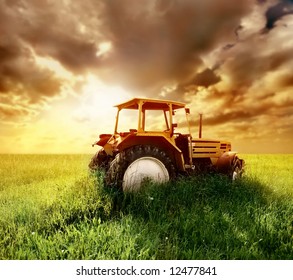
(154, 150)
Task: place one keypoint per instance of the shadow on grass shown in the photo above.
(204, 217)
(208, 218)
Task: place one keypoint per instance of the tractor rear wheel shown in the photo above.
(135, 165)
(99, 160)
(236, 169)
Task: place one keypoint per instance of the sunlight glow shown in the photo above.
(53, 65)
(95, 108)
(98, 99)
(104, 47)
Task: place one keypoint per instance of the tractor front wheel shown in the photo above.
(135, 165)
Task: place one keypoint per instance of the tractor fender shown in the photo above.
(104, 138)
(224, 162)
(159, 141)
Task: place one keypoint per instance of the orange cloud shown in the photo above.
(230, 61)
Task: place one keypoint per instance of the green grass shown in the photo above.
(52, 208)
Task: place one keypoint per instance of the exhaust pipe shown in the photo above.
(200, 126)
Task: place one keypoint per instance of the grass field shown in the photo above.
(52, 208)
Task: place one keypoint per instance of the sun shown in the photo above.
(97, 100)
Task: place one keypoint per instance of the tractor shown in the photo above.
(154, 150)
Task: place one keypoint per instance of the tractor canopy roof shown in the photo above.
(150, 104)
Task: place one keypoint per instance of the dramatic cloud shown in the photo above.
(251, 78)
(277, 11)
(162, 41)
(231, 61)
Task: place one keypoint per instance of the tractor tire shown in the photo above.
(236, 169)
(99, 160)
(133, 166)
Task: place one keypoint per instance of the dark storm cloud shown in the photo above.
(19, 73)
(29, 28)
(221, 118)
(162, 41)
(206, 78)
(255, 77)
(251, 60)
(155, 43)
(51, 30)
(277, 11)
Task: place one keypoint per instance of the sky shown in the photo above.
(65, 64)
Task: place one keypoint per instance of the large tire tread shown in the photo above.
(115, 173)
(237, 165)
(99, 160)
